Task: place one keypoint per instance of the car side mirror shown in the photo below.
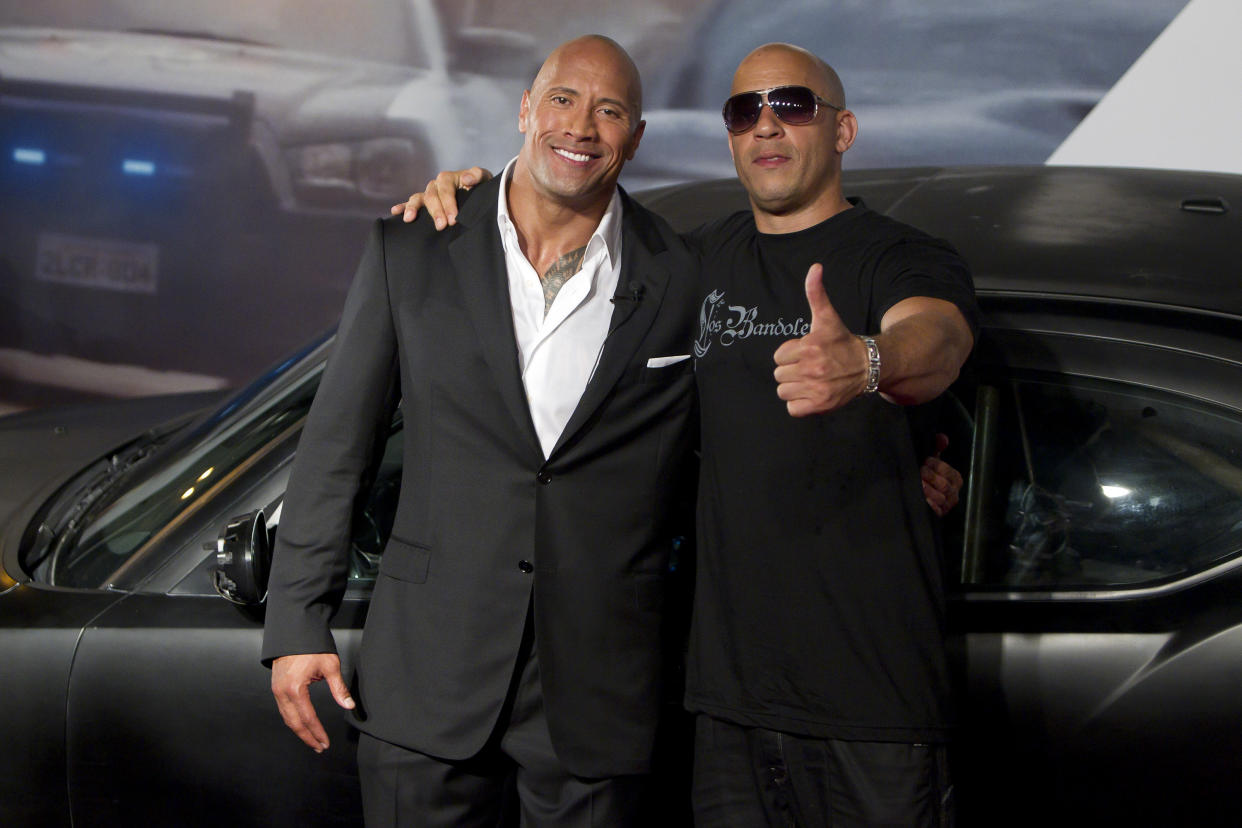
(244, 560)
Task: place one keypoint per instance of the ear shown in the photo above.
(634, 140)
(847, 130)
(524, 111)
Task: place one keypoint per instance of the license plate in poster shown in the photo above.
(108, 264)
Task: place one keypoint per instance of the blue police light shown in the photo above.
(29, 155)
(134, 166)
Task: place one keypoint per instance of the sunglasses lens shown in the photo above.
(793, 104)
(742, 111)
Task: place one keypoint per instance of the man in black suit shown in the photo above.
(539, 351)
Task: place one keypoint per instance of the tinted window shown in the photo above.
(196, 479)
(174, 483)
(1091, 485)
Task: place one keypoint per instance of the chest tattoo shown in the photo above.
(558, 274)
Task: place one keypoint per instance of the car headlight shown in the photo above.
(337, 173)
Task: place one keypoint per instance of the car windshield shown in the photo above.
(163, 492)
(380, 30)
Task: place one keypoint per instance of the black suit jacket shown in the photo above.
(428, 320)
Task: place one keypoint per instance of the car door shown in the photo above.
(1099, 574)
(171, 721)
(169, 716)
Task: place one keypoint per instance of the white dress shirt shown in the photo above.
(559, 352)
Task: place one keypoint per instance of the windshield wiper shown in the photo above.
(68, 514)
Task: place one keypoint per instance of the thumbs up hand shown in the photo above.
(828, 367)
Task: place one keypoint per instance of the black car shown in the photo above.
(1096, 559)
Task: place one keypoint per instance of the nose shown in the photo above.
(768, 125)
(581, 124)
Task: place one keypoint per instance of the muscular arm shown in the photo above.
(923, 343)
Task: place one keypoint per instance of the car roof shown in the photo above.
(1157, 237)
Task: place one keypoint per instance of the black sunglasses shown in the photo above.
(794, 105)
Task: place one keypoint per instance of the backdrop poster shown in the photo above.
(185, 188)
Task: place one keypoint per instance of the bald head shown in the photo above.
(582, 122)
(792, 172)
(794, 65)
(599, 50)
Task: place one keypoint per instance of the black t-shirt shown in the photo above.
(819, 599)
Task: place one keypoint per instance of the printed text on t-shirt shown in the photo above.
(724, 323)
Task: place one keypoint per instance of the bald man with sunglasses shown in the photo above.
(817, 662)
(816, 665)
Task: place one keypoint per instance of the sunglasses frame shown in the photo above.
(763, 101)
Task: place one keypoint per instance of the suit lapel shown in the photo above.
(642, 282)
(478, 258)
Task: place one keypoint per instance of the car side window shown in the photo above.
(1092, 485)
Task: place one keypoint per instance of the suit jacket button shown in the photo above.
(526, 566)
(543, 477)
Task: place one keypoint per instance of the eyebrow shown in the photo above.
(622, 105)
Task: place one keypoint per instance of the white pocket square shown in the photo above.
(660, 362)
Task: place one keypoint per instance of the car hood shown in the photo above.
(280, 79)
(41, 449)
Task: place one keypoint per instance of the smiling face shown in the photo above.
(792, 173)
(582, 122)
